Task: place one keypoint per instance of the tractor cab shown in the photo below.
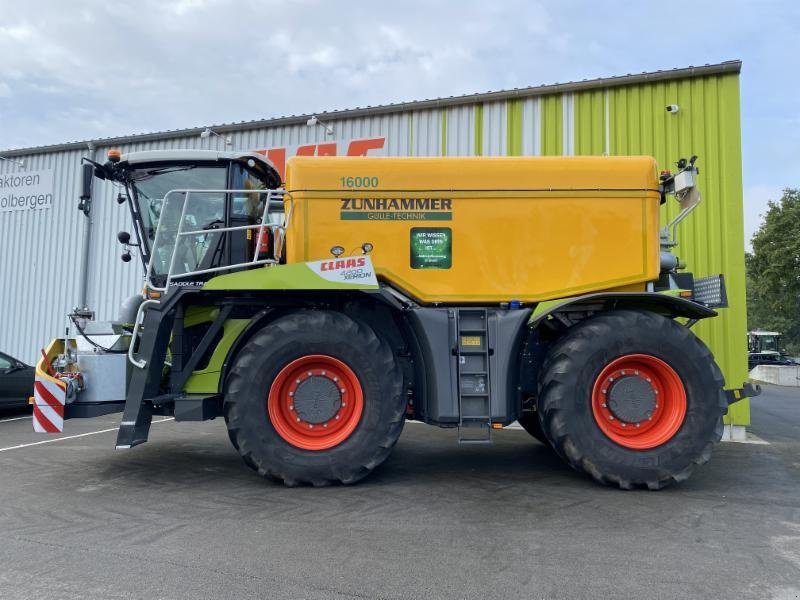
(196, 212)
(764, 341)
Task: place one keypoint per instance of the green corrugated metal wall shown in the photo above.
(711, 239)
(632, 119)
(552, 119)
(590, 122)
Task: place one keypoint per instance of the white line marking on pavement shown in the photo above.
(72, 437)
(14, 419)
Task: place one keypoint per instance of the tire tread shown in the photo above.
(279, 331)
(560, 365)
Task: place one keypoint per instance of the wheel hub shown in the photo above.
(317, 399)
(631, 398)
(315, 402)
(639, 401)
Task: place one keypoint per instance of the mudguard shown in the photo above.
(663, 303)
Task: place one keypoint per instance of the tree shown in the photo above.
(773, 271)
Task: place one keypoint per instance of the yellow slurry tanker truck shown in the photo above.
(462, 292)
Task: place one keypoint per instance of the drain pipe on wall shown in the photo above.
(83, 286)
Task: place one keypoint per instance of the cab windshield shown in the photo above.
(160, 214)
(152, 186)
(769, 343)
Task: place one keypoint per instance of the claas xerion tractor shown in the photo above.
(317, 316)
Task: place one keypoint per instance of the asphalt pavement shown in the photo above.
(182, 517)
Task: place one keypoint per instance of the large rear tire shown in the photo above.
(315, 397)
(632, 399)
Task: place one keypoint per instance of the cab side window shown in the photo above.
(247, 206)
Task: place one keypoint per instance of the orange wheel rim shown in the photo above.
(639, 401)
(315, 402)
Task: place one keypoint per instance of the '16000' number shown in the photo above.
(359, 182)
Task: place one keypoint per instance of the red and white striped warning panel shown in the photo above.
(49, 395)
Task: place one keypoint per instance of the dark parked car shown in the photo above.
(768, 358)
(16, 382)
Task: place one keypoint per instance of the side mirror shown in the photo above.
(126, 256)
(124, 237)
(85, 205)
(88, 177)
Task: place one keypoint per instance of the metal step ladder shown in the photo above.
(475, 423)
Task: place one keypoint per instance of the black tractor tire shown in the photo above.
(576, 361)
(292, 337)
(246, 459)
(530, 422)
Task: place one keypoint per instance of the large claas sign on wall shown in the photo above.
(354, 148)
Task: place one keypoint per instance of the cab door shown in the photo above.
(245, 208)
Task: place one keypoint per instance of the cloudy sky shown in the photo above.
(84, 69)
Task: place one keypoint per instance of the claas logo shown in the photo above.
(354, 148)
(343, 263)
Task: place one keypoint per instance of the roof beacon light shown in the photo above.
(114, 155)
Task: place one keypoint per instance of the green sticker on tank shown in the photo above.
(431, 248)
